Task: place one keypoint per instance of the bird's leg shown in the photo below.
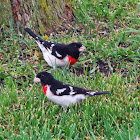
(64, 112)
(64, 68)
(54, 68)
(66, 109)
(50, 71)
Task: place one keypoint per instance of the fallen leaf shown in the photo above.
(46, 37)
(36, 54)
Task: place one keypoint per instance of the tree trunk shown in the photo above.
(44, 16)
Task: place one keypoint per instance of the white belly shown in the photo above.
(53, 61)
(64, 100)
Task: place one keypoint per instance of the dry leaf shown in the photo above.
(36, 54)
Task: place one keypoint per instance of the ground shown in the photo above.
(111, 35)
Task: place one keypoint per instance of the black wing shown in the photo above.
(59, 50)
(60, 89)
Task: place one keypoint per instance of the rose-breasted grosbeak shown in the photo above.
(56, 54)
(61, 93)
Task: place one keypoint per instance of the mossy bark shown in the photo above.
(5, 12)
(43, 16)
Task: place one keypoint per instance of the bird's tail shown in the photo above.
(32, 34)
(98, 93)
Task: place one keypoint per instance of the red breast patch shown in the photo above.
(72, 60)
(61, 60)
(45, 89)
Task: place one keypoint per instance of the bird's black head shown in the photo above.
(44, 78)
(75, 48)
(78, 46)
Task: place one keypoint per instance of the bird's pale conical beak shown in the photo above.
(36, 80)
(82, 49)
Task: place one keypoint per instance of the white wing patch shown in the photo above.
(59, 91)
(52, 45)
(71, 90)
(91, 93)
(59, 55)
(51, 48)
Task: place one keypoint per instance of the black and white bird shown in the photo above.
(61, 93)
(56, 54)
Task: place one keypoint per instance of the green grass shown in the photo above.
(26, 114)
